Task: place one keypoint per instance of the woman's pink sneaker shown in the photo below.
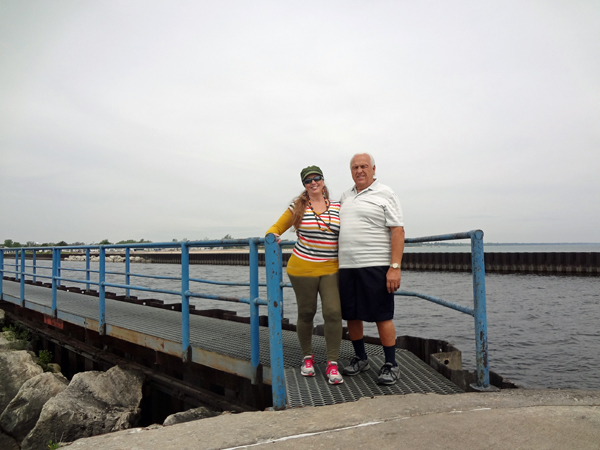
(333, 374)
(308, 366)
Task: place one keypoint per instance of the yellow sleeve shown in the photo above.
(282, 225)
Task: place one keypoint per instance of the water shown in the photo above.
(543, 330)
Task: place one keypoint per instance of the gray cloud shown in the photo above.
(158, 120)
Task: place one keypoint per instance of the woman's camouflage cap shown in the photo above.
(308, 170)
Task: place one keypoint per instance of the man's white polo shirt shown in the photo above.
(365, 218)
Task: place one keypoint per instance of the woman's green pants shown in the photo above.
(306, 290)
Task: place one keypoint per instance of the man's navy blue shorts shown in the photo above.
(364, 295)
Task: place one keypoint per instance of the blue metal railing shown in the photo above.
(274, 285)
(254, 301)
(479, 309)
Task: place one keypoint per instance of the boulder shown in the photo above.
(5, 344)
(191, 414)
(75, 258)
(8, 341)
(2, 318)
(7, 442)
(93, 403)
(15, 369)
(22, 413)
(53, 368)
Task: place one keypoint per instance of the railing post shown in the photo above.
(280, 265)
(16, 265)
(478, 268)
(22, 277)
(275, 300)
(102, 292)
(185, 302)
(87, 269)
(54, 283)
(1, 272)
(254, 317)
(127, 272)
(58, 271)
(34, 263)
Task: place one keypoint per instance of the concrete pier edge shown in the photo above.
(509, 419)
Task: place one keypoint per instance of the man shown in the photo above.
(371, 245)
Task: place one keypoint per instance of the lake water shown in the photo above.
(543, 330)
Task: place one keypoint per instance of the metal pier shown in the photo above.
(225, 345)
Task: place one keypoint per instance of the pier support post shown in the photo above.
(275, 299)
(58, 269)
(23, 278)
(1, 272)
(87, 269)
(256, 378)
(185, 302)
(127, 272)
(102, 292)
(480, 312)
(55, 256)
(34, 263)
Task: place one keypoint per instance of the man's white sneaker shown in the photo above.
(388, 374)
(356, 366)
(308, 366)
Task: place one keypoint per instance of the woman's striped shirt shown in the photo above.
(318, 234)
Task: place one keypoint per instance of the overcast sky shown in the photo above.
(192, 119)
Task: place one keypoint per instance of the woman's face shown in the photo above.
(314, 187)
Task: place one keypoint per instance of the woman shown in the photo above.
(313, 267)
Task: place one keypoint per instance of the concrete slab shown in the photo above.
(510, 419)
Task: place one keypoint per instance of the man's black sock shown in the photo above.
(390, 354)
(359, 348)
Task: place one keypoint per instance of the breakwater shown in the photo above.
(566, 263)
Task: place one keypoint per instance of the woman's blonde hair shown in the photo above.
(300, 203)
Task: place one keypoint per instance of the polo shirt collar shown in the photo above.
(372, 187)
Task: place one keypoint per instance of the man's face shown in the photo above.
(362, 172)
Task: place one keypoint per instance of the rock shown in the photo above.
(22, 413)
(190, 415)
(5, 344)
(75, 258)
(15, 369)
(109, 258)
(53, 368)
(9, 342)
(93, 403)
(7, 442)
(2, 318)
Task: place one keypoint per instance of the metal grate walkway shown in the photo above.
(232, 339)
